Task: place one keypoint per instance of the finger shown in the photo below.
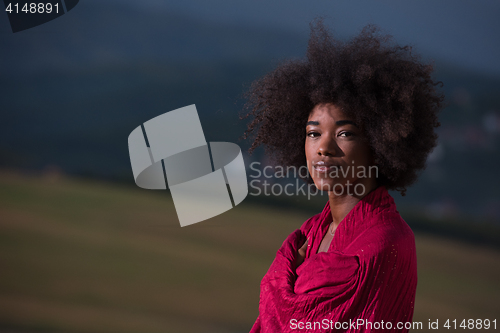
(303, 249)
(305, 245)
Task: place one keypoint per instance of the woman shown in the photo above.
(361, 116)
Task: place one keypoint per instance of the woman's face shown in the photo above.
(337, 152)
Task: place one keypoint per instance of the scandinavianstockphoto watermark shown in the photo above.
(364, 324)
(278, 180)
(358, 324)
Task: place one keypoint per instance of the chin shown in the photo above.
(340, 187)
(327, 185)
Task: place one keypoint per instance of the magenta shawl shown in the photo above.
(365, 282)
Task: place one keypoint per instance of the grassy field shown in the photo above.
(83, 256)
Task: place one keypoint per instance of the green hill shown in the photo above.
(83, 256)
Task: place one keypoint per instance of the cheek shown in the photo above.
(307, 147)
(309, 166)
(308, 150)
(361, 155)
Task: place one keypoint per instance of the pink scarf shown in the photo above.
(365, 282)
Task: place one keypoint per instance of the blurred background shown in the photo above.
(83, 250)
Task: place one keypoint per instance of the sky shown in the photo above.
(464, 33)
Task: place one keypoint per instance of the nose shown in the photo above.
(327, 146)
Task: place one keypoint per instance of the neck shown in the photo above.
(341, 205)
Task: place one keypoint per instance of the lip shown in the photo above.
(324, 167)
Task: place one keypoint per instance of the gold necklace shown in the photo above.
(330, 229)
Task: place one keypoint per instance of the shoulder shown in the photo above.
(315, 221)
(392, 227)
(311, 223)
(388, 235)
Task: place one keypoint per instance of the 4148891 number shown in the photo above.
(33, 8)
(471, 324)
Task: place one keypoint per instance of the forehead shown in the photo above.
(327, 111)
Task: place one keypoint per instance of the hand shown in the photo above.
(301, 254)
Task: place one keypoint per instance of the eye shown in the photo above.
(345, 134)
(312, 134)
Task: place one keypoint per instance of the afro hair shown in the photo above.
(384, 87)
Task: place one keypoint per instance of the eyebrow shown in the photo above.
(339, 123)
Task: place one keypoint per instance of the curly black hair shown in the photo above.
(385, 88)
